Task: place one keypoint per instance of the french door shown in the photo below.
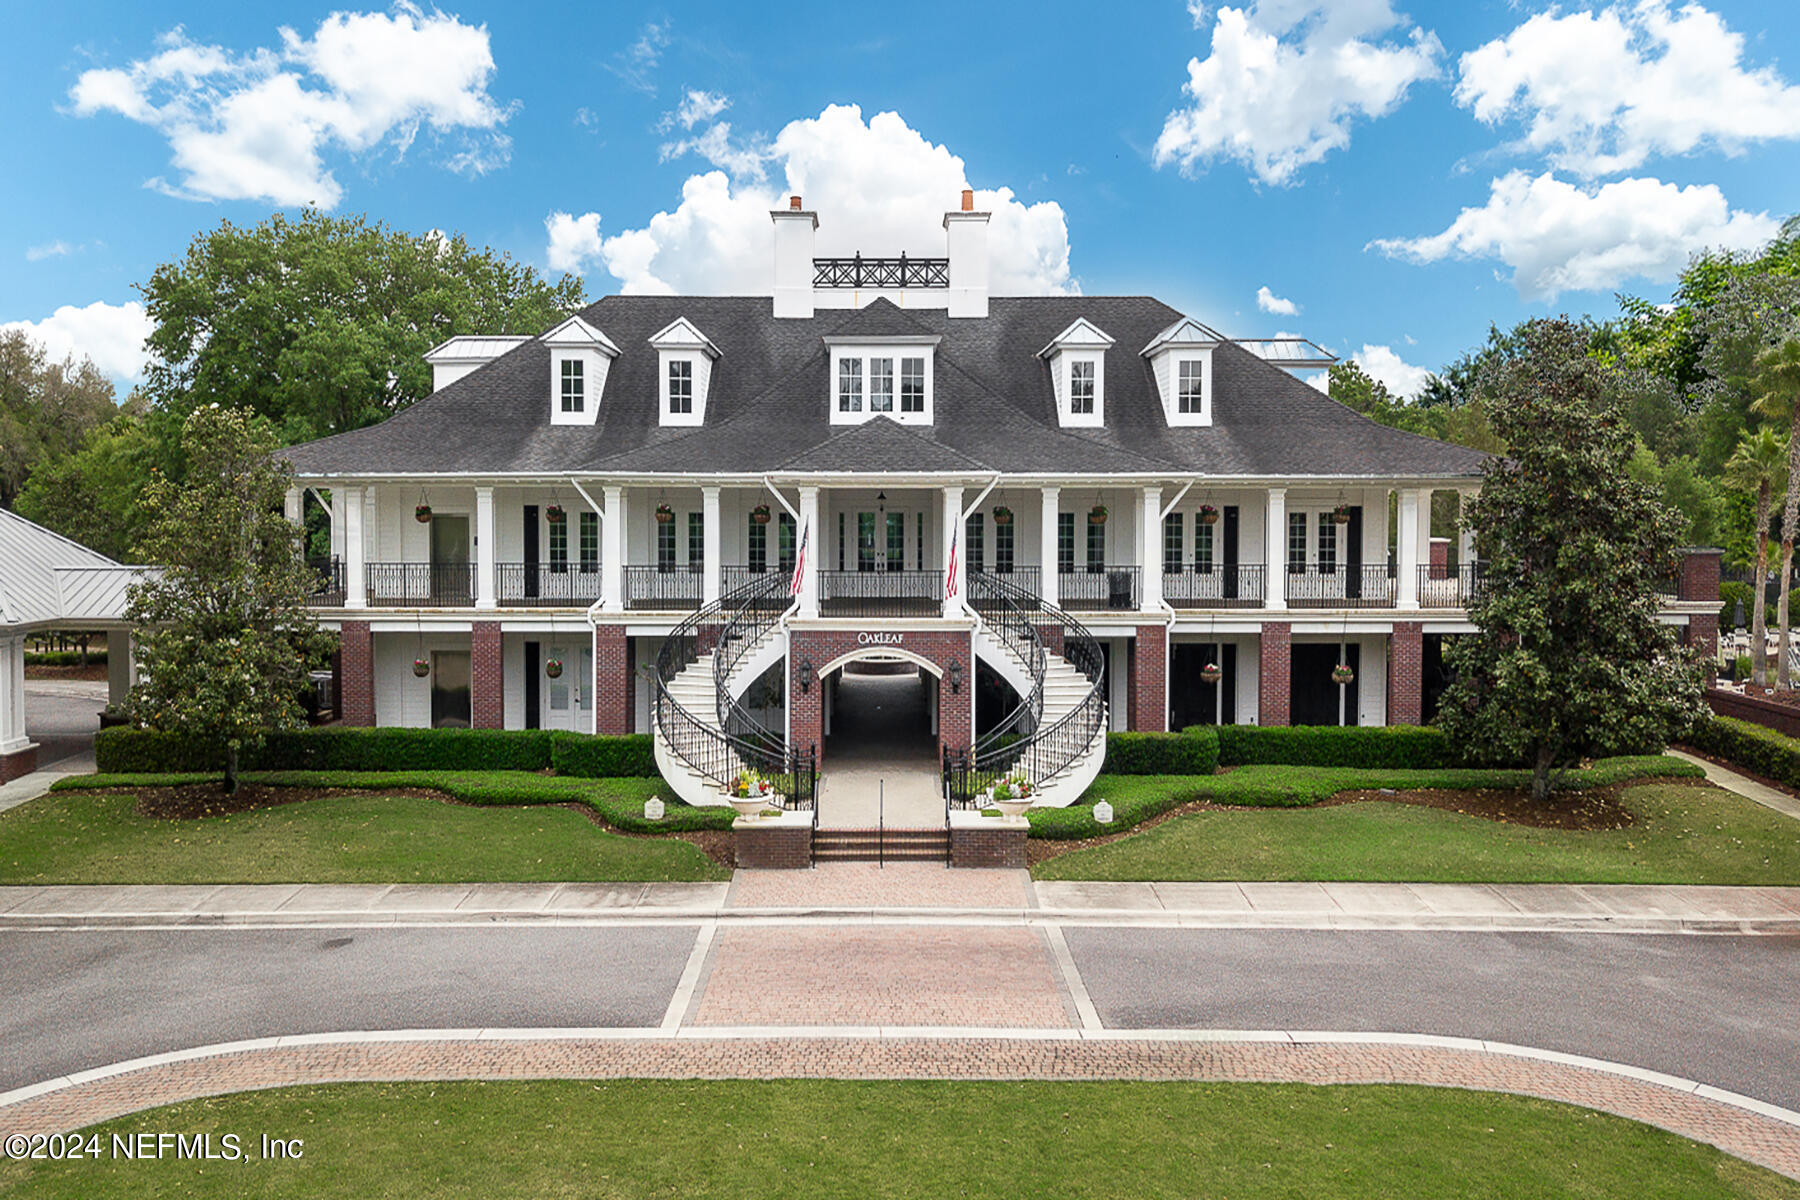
(881, 541)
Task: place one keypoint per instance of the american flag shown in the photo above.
(800, 561)
(950, 577)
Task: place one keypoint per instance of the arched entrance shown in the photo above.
(880, 758)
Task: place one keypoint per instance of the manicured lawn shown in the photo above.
(71, 837)
(828, 1139)
(1684, 834)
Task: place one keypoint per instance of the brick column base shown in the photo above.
(771, 847)
(1406, 674)
(487, 681)
(1275, 672)
(1149, 684)
(18, 764)
(1702, 635)
(1000, 846)
(613, 691)
(356, 698)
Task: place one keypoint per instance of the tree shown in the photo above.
(1778, 378)
(1569, 659)
(46, 408)
(320, 324)
(1760, 467)
(226, 639)
(93, 496)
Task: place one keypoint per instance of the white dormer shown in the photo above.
(1181, 359)
(684, 370)
(1077, 358)
(451, 360)
(888, 377)
(580, 357)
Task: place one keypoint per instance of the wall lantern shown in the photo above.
(955, 670)
(806, 675)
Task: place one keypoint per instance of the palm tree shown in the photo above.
(1760, 465)
(1778, 374)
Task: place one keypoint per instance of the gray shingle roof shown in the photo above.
(769, 405)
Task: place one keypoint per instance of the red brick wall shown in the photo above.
(1779, 717)
(631, 666)
(1149, 682)
(806, 719)
(356, 699)
(773, 848)
(487, 684)
(1131, 692)
(17, 764)
(1703, 635)
(1406, 674)
(988, 847)
(1699, 575)
(613, 697)
(1275, 673)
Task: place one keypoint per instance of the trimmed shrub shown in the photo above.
(1415, 747)
(1764, 751)
(1192, 752)
(604, 756)
(63, 658)
(334, 749)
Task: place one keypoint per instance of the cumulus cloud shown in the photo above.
(1269, 302)
(573, 240)
(256, 126)
(1558, 237)
(1381, 363)
(110, 334)
(741, 158)
(1600, 92)
(1285, 80)
(695, 108)
(878, 186)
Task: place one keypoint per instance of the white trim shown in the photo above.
(879, 654)
(862, 351)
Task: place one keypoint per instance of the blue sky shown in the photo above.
(1383, 178)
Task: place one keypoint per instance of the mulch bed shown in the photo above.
(92, 673)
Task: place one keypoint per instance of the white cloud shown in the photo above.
(636, 64)
(695, 108)
(56, 249)
(110, 334)
(255, 126)
(1600, 92)
(573, 240)
(744, 160)
(1559, 237)
(1269, 302)
(878, 186)
(1285, 79)
(1402, 378)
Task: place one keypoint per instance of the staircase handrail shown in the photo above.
(764, 601)
(1012, 626)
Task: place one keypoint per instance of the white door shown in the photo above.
(561, 687)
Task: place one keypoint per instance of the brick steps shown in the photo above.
(876, 845)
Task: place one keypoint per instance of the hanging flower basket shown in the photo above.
(1097, 515)
(422, 514)
(553, 668)
(664, 514)
(760, 514)
(1002, 515)
(1341, 514)
(1342, 674)
(555, 514)
(1210, 673)
(421, 667)
(1209, 515)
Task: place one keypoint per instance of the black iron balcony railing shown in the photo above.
(881, 593)
(1448, 587)
(1219, 585)
(328, 588)
(434, 585)
(1344, 586)
(666, 589)
(548, 585)
(732, 577)
(1098, 588)
(902, 272)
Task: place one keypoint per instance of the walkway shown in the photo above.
(880, 762)
(1743, 785)
(62, 716)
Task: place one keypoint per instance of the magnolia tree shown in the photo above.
(1569, 659)
(225, 638)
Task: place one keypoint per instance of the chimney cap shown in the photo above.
(968, 200)
(794, 203)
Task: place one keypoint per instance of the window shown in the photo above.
(1096, 548)
(881, 385)
(840, 565)
(590, 542)
(975, 540)
(912, 385)
(757, 558)
(1065, 543)
(681, 386)
(559, 546)
(574, 386)
(1172, 544)
(1296, 543)
(919, 554)
(784, 524)
(1003, 549)
(1203, 549)
(850, 385)
(665, 545)
(696, 541)
(1081, 387)
(1327, 545)
(896, 541)
(865, 541)
(1190, 395)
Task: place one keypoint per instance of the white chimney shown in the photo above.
(794, 230)
(966, 242)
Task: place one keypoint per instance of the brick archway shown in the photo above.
(823, 651)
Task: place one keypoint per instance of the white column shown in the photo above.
(290, 505)
(953, 535)
(486, 592)
(613, 543)
(1406, 548)
(1047, 545)
(815, 551)
(12, 695)
(710, 567)
(356, 580)
(1465, 553)
(1275, 550)
(1150, 547)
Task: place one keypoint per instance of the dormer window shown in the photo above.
(881, 385)
(574, 385)
(686, 358)
(580, 357)
(1081, 388)
(1181, 363)
(850, 385)
(1190, 387)
(1078, 373)
(882, 381)
(912, 385)
(681, 386)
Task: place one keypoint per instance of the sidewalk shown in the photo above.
(1749, 789)
(929, 894)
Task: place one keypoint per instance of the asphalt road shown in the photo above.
(62, 716)
(1723, 1010)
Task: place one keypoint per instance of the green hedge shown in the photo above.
(63, 658)
(1764, 751)
(622, 756)
(358, 749)
(1408, 746)
(1193, 752)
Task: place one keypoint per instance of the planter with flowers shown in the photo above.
(1097, 515)
(553, 668)
(749, 794)
(422, 514)
(1210, 673)
(421, 667)
(1012, 795)
(1209, 514)
(664, 514)
(1342, 674)
(555, 514)
(1341, 514)
(760, 514)
(1002, 515)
